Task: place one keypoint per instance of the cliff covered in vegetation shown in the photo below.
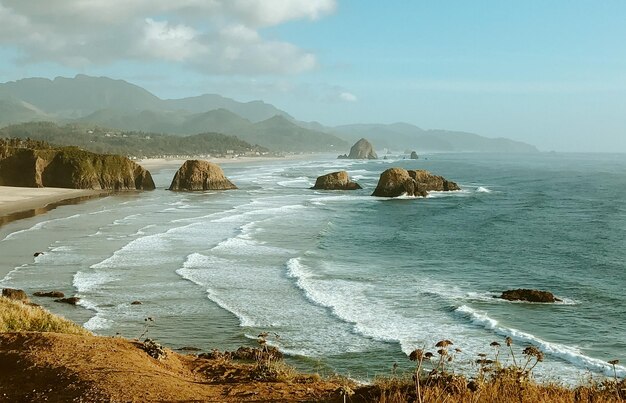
(37, 164)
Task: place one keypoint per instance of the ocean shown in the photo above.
(350, 283)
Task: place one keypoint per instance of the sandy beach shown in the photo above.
(18, 199)
(155, 164)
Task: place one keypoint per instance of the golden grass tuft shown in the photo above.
(15, 316)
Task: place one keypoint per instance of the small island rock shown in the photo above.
(413, 155)
(336, 181)
(361, 150)
(200, 175)
(396, 182)
(522, 294)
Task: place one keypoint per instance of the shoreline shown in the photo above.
(22, 202)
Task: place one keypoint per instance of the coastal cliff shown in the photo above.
(70, 167)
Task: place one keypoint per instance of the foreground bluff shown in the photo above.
(395, 182)
(200, 175)
(71, 167)
(336, 181)
(361, 150)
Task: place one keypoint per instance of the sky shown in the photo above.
(550, 73)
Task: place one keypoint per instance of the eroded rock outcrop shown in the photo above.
(200, 175)
(71, 167)
(413, 155)
(523, 294)
(361, 150)
(336, 181)
(396, 182)
(15, 294)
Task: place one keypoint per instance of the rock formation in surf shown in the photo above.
(523, 294)
(396, 182)
(361, 150)
(200, 175)
(336, 181)
(71, 167)
(413, 155)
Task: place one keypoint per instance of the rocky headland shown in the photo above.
(200, 175)
(40, 165)
(396, 182)
(336, 181)
(361, 150)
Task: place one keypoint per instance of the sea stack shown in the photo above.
(413, 155)
(200, 175)
(396, 182)
(361, 150)
(336, 181)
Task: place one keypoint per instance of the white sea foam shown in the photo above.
(567, 353)
(97, 322)
(87, 281)
(39, 226)
(482, 189)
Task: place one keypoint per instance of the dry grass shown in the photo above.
(15, 316)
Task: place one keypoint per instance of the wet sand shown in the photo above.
(22, 202)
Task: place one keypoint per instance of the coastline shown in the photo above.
(156, 164)
(23, 202)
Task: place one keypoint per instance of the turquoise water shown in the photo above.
(350, 282)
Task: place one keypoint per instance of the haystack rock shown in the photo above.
(413, 155)
(12, 293)
(396, 182)
(523, 294)
(361, 150)
(71, 167)
(336, 181)
(200, 175)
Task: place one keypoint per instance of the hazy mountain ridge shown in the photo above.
(124, 106)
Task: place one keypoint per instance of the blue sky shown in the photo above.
(551, 73)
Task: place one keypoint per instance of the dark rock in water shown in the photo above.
(136, 303)
(529, 295)
(71, 167)
(15, 294)
(189, 348)
(343, 157)
(200, 175)
(413, 155)
(336, 181)
(70, 300)
(395, 182)
(37, 254)
(361, 150)
(385, 157)
(51, 294)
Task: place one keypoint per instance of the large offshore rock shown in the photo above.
(361, 150)
(336, 181)
(200, 175)
(396, 182)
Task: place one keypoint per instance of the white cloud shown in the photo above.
(347, 96)
(213, 36)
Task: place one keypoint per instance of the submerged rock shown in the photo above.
(70, 300)
(396, 182)
(200, 175)
(523, 294)
(336, 181)
(51, 294)
(361, 150)
(15, 294)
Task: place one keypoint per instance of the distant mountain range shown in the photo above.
(120, 105)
